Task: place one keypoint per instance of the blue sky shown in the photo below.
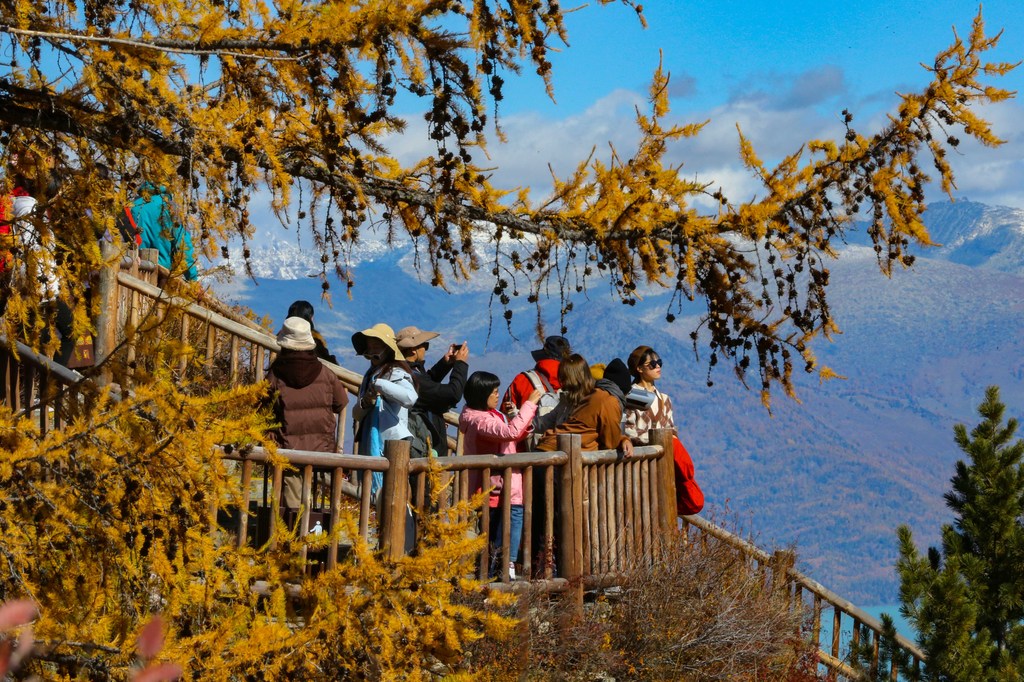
(781, 70)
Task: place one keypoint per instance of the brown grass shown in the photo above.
(699, 613)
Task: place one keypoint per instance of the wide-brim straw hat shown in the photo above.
(378, 331)
(296, 334)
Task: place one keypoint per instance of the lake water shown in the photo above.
(825, 639)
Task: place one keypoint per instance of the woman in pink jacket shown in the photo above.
(486, 431)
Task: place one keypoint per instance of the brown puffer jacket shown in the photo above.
(307, 396)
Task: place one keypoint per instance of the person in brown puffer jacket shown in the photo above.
(307, 397)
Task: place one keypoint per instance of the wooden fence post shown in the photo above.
(107, 321)
(395, 499)
(570, 544)
(666, 481)
(151, 256)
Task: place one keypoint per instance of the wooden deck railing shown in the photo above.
(848, 621)
(603, 516)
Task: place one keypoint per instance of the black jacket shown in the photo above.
(436, 398)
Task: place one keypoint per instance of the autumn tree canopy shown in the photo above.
(222, 99)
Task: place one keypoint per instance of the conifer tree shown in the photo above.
(966, 599)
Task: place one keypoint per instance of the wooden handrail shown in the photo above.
(820, 592)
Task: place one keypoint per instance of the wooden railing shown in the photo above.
(811, 596)
(603, 516)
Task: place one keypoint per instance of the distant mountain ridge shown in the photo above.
(834, 474)
(978, 235)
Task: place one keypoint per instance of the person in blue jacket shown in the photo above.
(151, 215)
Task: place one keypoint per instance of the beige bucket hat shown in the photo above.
(296, 334)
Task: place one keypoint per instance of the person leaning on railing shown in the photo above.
(487, 431)
(307, 399)
(645, 365)
(592, 413)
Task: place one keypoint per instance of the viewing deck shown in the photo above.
(601, 516)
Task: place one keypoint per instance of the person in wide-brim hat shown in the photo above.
(379, 331)
(413, 337)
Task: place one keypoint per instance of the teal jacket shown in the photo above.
(151, 212)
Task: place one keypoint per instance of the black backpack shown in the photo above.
(421, 445)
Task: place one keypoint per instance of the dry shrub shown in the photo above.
(701, 612)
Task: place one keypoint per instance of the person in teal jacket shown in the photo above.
(151, 214)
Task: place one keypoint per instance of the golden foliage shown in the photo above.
(219, 101)
(109, 520)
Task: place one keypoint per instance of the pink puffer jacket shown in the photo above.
(488, 432)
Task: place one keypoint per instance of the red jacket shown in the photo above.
(521, 388)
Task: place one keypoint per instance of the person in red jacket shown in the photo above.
(547, 359)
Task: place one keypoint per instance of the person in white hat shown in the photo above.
(435, 398)
(307, 399)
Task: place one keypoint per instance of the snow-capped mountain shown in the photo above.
(282, 259)
(978, 235)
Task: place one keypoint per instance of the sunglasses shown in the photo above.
(374, 357)
(654, 364)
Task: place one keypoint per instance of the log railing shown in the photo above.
(599, 513)
(601, 517)
(849, 623)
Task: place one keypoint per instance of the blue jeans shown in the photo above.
(515, 533)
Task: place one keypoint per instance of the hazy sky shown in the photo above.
(782, 70)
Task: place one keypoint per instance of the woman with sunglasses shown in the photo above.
(645, 367)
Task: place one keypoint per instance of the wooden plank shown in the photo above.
(337, 475)
(243, 515)
(526, 553)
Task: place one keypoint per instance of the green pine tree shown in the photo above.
(966, 600)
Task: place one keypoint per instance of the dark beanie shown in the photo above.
(617, 372)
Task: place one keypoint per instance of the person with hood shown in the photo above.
(304, 309)
(616, 381)
(434, 398)
(151, 217)
(307, 399)
(487, 431)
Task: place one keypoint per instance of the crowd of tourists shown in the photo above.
(611, 406)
